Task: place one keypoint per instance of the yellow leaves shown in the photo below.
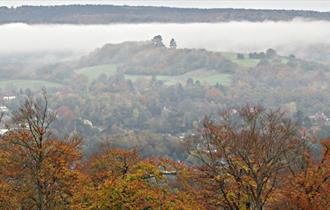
(128, 182)
(123, 193)
(218, 178)
(124, 180)
(145, 170)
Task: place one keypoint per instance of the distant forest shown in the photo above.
(105, 14)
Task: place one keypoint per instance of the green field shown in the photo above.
(246, 62)
(31, 84)
(205, 77)
(94, 71)
(223, 79)
(136, 77)
(284, 60)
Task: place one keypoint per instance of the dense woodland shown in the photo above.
(105, 14)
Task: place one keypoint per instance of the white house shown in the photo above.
(9, 98)
(3, 131)
(3, 109)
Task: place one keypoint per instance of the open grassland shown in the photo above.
(205, 77)
(250, 62)
(95, 71)
(31, 84)
(246, 62)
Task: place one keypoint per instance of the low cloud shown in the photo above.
(232, 36)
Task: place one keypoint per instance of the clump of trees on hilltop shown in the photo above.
(250, 159)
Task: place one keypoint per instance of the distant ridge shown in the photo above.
(107, 14)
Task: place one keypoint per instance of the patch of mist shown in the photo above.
(286, 37)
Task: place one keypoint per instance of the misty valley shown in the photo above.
(146, 107)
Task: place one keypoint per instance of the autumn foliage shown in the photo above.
(248, 159)
(123, 180)
(307, 186)
(40, 171)
(254, 159)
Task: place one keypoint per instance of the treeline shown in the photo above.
(150, 58)
(250, 159)
(105, 14)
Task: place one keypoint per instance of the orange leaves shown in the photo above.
(326, 146)
(42, 170)
(50, 170)
(243, 157)
(7, 196)
(111, 164)
(308, 187)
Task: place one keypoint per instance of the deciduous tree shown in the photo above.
(308, 184)
(41, 169)
(243, 156)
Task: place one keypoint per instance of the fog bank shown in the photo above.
(232, 36)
